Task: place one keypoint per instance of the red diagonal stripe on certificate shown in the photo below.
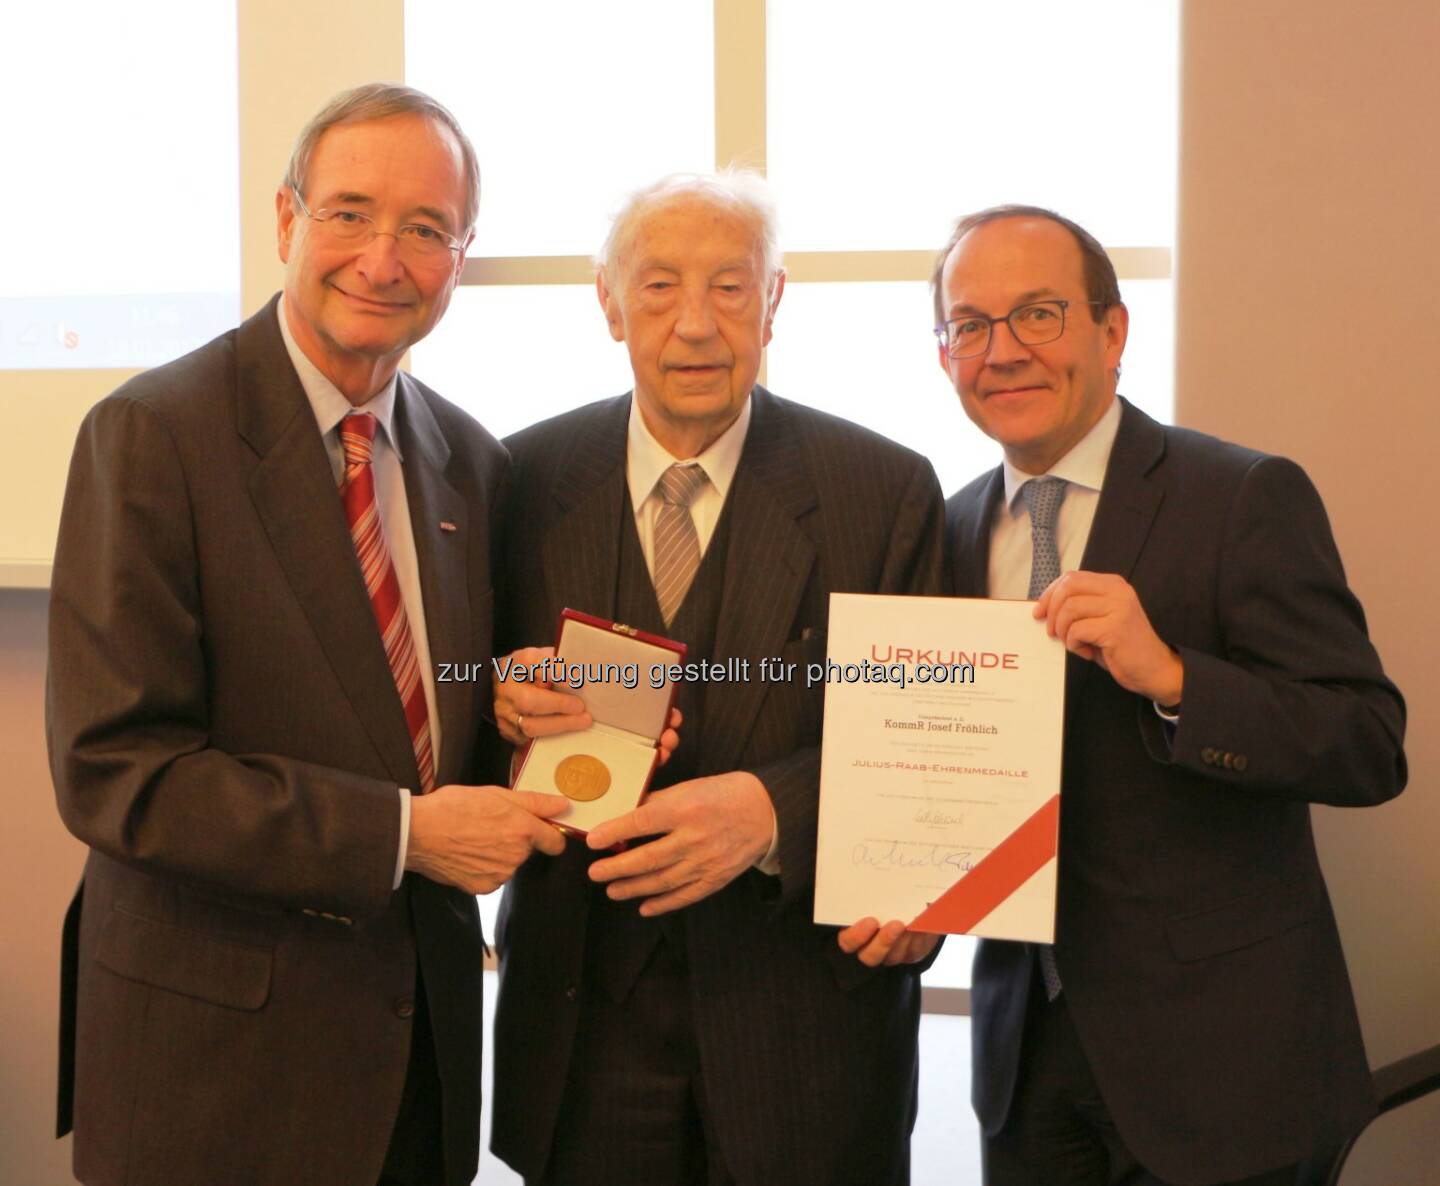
(1007, 867)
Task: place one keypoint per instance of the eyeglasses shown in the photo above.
(415, 240)
(1033, 325)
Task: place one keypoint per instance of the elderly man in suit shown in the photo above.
(272, 968)
(670, 1014)
(1193, 1023)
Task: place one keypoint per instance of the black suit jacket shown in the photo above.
(226, 735)
(1195, 939)
(809, 1059)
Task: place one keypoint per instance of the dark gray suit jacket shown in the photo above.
(1195, 938)
(809, 1059)
(226, 736)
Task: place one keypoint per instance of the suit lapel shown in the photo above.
(969, 534)
(1129, 499)
(441, 557)
(293, 489)
(582, 549)
(767, 567)
(1127, 507)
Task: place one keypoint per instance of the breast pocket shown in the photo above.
(798, 698)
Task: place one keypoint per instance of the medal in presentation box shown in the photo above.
(604, 770)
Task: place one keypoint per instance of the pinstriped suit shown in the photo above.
(808, 1058)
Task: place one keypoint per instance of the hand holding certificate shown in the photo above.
(939, 799)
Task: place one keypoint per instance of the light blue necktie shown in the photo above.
(1043, 497)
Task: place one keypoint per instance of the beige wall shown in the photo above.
(1308, 183)
(39, 870)
(1309, 325)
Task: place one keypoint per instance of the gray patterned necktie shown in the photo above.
(677, 545)
(1043, 497)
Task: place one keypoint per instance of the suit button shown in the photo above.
(571, 992)
(1241, 761)
(1228, 761)
(404, 1007)
(1207, 755)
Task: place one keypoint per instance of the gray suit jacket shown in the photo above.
(1195, 939)
(226, 736)
(809, 1059)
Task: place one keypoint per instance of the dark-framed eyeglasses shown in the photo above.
(344, 224)
(1033, 324)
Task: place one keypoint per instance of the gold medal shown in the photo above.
(582, 778)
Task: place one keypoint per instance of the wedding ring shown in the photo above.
(520, 722)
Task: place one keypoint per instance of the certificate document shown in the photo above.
(940, 766)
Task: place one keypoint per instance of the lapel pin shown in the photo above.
(446, 525)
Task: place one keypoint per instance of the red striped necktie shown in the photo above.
(357, 435)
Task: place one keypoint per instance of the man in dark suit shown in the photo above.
(1193, 1023)
(272, 970)
(671, 1014)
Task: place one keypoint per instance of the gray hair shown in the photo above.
(381, 100)
(741, 191)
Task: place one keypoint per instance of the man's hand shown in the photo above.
(476, 837)
(891, 944)
(527, 709)
(710, 831)
(1098, 616)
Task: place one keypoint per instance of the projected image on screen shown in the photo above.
(121, 208)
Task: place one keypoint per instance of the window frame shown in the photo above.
(741, 137)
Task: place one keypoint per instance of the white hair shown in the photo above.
(741, 191)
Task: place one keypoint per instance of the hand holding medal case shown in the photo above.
(605, 770)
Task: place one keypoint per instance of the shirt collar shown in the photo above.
(326, 400)
(647, 459)
(1084, 465)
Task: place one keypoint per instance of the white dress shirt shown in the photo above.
(330, 407)
(646, 459)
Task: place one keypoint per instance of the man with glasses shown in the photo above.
(1193, 1022)
(272, 972)
(669, 1014)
